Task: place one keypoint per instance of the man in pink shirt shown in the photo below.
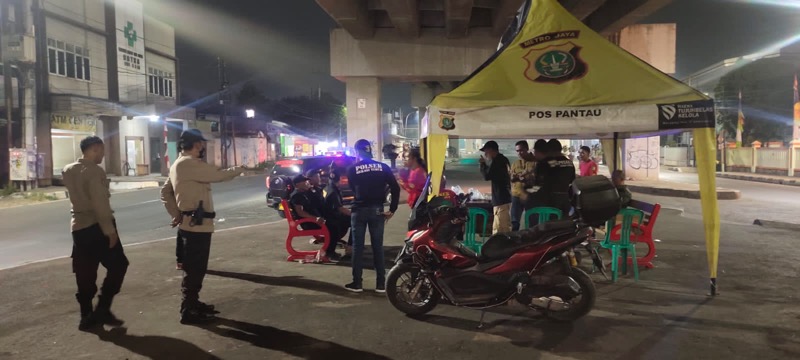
(587, 165)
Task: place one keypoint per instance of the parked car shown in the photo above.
(279, 178)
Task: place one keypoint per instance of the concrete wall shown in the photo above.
(90, 12)
(159, 36)
(429, 57)
(96, 44)
(653, 43)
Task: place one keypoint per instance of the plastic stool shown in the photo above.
(544, 215)
(469, 236)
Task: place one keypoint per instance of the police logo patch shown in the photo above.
(447, 120)
(555, 64)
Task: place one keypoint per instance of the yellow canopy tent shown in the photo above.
(558, 78)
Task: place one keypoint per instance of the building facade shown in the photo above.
(105, 68)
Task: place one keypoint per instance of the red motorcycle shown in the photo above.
(536, 267)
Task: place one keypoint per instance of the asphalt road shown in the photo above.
(41, 231)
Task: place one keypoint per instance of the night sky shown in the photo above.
(283, 44)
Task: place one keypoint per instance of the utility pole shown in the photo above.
(7, 86)
(223, 86)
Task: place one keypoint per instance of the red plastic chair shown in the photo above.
(296, 231)
(642, 233)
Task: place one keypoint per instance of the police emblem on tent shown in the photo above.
(555, 64)
(447, 120)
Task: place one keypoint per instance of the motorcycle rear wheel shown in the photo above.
(401, 280)
(584, 305)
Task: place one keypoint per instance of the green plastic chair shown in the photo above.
(545, 214)
(624, 246)
(470, 232)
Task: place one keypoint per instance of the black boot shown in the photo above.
(102, 313)
(87, 315)
(194, 314)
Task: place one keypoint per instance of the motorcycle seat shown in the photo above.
(503, 245)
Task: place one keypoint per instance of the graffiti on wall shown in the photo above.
(642, 159)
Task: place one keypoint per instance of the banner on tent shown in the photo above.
(507, 121)
(686, 115)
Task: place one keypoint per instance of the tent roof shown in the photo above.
(564, 78)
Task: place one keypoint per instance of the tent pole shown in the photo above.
(616, 152)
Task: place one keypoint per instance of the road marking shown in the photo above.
(148, 242)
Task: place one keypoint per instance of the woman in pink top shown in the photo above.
(418, 174)
(587, 165)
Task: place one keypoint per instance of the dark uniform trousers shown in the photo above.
(196, 248)
(89, 249)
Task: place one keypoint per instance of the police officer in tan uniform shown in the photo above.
(94, 235)
(187, 197)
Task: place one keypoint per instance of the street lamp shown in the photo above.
(250, 113)
(153, 118)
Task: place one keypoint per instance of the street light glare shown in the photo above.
(250, 113)
(153, 118)
(784, 3)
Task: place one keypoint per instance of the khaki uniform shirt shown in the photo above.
(188, 184)
(517, 168)
(87, 185)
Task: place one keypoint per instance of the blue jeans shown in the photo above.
(373, 218)
(517, 208)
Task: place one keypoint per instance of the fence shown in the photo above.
(676, 156)
(773, 161)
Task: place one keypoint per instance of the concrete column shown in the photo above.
(113, 159)
(364, 111)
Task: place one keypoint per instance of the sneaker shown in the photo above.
(334, 257)
(196, 316)
(315, 241)
(380, 289)
(179, 266)
(353, 287)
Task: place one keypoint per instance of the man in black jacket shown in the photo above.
(496, 168)
(554, 174)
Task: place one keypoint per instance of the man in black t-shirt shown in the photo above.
(303, 204)
(554, 174)
(497, 169)
(369, 180)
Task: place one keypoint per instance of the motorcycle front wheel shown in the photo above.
(409, 291)
(585, 300)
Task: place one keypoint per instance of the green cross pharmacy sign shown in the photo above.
(130, 34)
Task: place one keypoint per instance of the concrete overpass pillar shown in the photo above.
(364, 112)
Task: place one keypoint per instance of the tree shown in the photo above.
(322, 116)
(250, 96)
(766, 88)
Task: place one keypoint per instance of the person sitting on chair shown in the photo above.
(303, 205)
(337, 216)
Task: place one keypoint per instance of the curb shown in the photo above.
(722, 194)
(760, 179)
(776, 224)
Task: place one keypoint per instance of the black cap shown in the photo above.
(491, 144)
(363, 148)
(540, 145)
(554, 145)
(191, 136)
(299, 178)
